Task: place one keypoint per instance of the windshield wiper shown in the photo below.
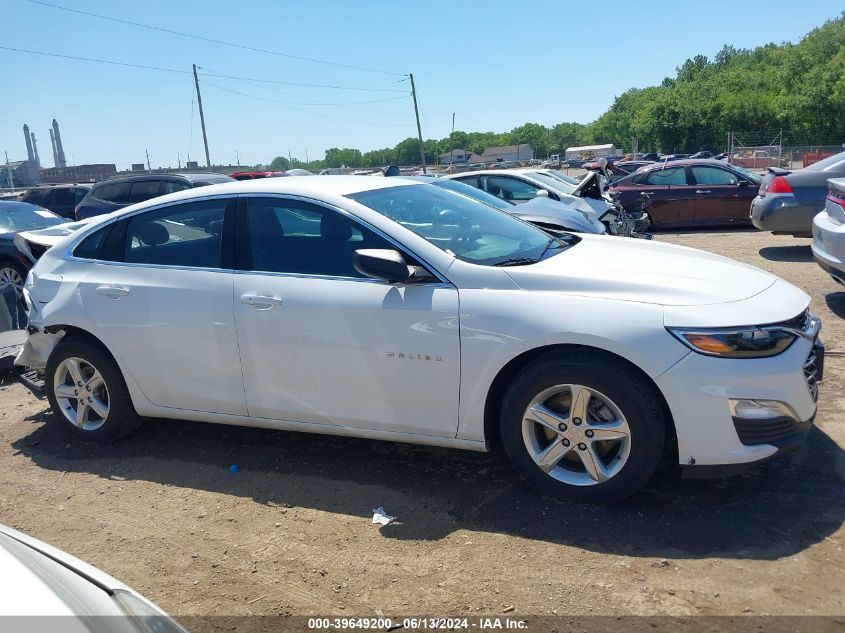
(517, 261)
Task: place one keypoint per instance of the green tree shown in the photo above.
(280, 163)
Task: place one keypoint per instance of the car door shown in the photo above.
(320, 343)
(160, 294)
(672, 199)
(722, 197)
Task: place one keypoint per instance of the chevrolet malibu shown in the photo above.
(396, 310)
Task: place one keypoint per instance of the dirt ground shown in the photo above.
(291, 532)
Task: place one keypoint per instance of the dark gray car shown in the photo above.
(116, 193)
(788, 200)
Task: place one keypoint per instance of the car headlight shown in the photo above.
(749, 342)
(143, 615)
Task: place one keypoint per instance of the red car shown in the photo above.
(692, 192)
(251, 175)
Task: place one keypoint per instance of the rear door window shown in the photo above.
(511, 189)
(671, 176)
(36, 196)
(188, 234)
(144, 190)
(172, 186)
(115, 192)
(61, 197)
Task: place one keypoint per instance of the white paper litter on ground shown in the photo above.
(380, 517)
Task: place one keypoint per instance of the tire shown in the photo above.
(608, 390)
(110, 414)
(14, 274)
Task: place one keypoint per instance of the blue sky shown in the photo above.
(497, 64)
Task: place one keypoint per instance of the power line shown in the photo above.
(215, 41)
(302, 103)
(99, 61)
(304, 85)
(290, 107)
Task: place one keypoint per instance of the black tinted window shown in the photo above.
(180, 235)
(296, 237)
(672, 176)
(144, 190)
(172, 186)
(112, 192)
(36, 196)
(79, 194)
(89, 248)
(62, 196)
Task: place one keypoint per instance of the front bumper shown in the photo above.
(698, 390)
(829, 246)
(782, 213)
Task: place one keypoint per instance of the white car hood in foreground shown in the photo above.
(643, 271)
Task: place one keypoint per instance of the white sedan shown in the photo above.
(518, 186)
(397, 310)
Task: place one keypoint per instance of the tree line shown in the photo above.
(798, 88)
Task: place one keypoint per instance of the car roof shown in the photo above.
(193, 177)
(59, 185)
(683, 162)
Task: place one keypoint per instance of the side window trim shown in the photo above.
(243, 253)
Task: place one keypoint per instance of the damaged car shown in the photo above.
(397, 310)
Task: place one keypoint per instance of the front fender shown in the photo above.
(499, 326)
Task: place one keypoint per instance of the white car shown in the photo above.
(397, 310)
(521, 185)
(39, 580)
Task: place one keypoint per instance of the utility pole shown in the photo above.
(419, 129)
(202, 118)
(238, 157)
(9, 173)
(148, 160)
(452, 146)
(306, 156)
(179, 159)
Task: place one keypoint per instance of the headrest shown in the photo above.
(335, 228)
(152, 234)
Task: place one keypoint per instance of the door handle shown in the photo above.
(261, 302)
(112, 292)
(702, 191)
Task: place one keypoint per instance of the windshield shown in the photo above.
(463, 227)
(555, 183)
(831, 163)
(26, 218)
(474, 193)
(561, 176)
(755, 178)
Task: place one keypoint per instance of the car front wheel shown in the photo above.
(583, 426)
(87, 392)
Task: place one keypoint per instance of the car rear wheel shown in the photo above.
(583, 426)
(87, 392)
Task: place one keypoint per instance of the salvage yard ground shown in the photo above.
(291, 532)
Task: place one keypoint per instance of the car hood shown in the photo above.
(643, 271)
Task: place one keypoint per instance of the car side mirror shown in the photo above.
(743, 183)
(542, 193)
(388, 265)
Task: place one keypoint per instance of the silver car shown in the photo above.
(829, 232)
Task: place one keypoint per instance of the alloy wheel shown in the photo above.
(576, 434)
(11, 277)
(81, 393)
